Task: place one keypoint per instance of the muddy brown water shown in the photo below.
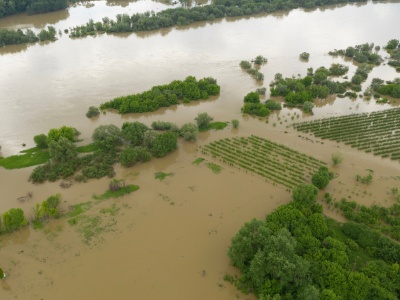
(169, 239)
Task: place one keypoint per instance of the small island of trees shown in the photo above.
(165, 95)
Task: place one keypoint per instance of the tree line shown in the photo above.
(185, 16)
(15, 37)
(11, 7)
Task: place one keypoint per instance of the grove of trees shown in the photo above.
(165, 95)
(298, 253)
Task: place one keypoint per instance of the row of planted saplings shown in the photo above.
(245, 163)
(290, 154)
(259, 159)
(267, 173)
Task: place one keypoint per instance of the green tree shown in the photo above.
(203, 120)
(55, 134)
(40, 141)
(308, 106)
(189, 132)
(107, 136)
(13, 219)
(92, 112)
(164, 144)
(62, 150)
(252, 97)
(133, 132)
(321, 178)
(305, 195)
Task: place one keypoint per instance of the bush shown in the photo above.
(189, 132)
(160, 125)
(164, 144)
(304, 56)
(107, 135)
(235, 123)
(40, 141)
(260, 60)
(321, 178)
(92, 112)
(337, 158)
(245, 65)
(2, 275)
(252, 97)
(203, 120)
(64, 131)
(308, 106)
(273, 105)
(261, 91)
(14, 219)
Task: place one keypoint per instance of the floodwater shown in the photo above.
(169, 239)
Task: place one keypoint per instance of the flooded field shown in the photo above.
(169, 239)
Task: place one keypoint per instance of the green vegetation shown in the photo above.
(375, 132)
(45, 210)
(391, 88)
(13, 37)
(30, 157)
(182, 16)
(215, 126)
(161, 175)
(252, 105)
(304, 56)
(189, 132)
(298, 253)
(55, 134)
(367, 179)
(235, 123)
(160, 125)
(273, 105)
(393, 48)
(198, 161)
(203, 120)
(274, 162)
(246, 65)
(321, 178)
(214, 167)
(337, 158)
(297, 91)
(165, 95)
(385, 220)
(125, 190)
(360, 53)
(92, 112)
(2, 274)
(308, 107)
(338, 70)
(9, 7)
(12, 220)
(78, 209)
(134, 143)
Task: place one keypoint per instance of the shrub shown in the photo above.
(203, 120)
(107, 135)
(337, 158)
(245, 65)
(14, 219)
(235, 123)
(189, 132)
(261, 91)
(92, 112)
(62, 150)
(40, 141)
(160, 125)
(64, 131)
(260, 60)
(304, 56)
(321, 178)
(2, 275)
(273, 105)
(164, 144)
(252, 97)
(308, 106)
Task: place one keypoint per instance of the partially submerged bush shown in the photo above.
(235, 123)
(40, 141)
(189, 132)
(92, 112)
(304, 56)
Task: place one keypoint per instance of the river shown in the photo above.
(158, 250)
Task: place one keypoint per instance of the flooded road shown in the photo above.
(169, 239)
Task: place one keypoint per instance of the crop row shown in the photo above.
(277, 163)
(376, 132)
